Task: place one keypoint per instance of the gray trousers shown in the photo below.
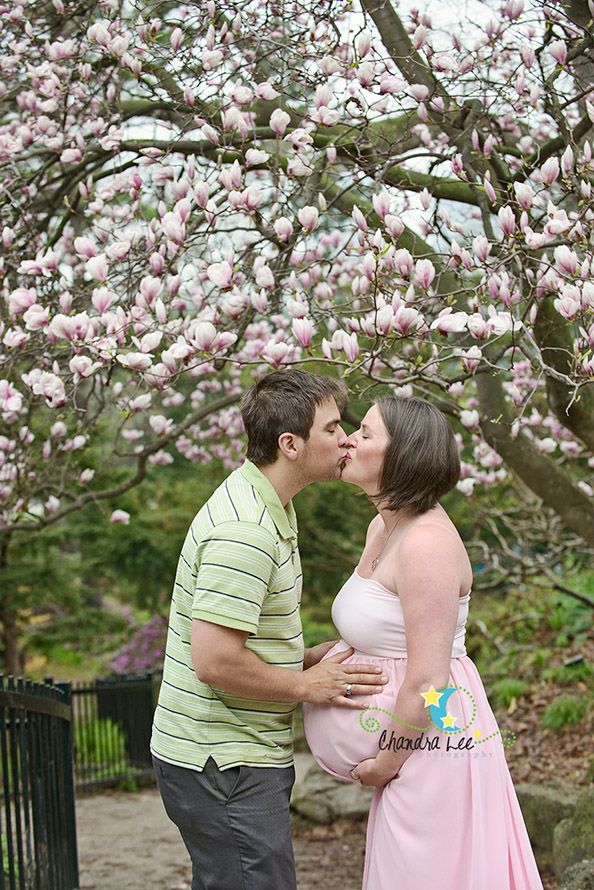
(235, 824)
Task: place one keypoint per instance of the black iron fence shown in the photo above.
(37, 821)
(112, 719)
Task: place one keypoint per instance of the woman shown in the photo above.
(445, 813)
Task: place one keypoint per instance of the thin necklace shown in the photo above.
(375, 562)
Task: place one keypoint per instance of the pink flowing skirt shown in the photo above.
(451, 818)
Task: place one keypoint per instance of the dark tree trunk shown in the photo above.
(8, 617)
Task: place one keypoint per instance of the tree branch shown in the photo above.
(555, 343)
(133, 481)
(543, 476)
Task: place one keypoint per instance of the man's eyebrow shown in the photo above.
(332, 423)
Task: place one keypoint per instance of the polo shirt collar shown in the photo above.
(285, 519)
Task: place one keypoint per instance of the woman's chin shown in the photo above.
(349, 474)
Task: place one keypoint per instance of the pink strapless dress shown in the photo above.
(451, 819)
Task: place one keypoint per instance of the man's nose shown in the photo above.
(342, 437)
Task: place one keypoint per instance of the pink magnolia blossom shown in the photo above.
(46, 384)
(507, 220)
(14, 338)
(211, 59)
(265, 90)
(471, 358)
(21, 299)
(470, 419)
(82, 366)
(524, 194)
(384, 320)
(351, 346)
(176, 39)
(276, 353)
(120, 517)
(567, 306)
(71, 156)
(393, 225)
(136, 361)
(558, 50)
(303, 331)
(481, 248)
(210, 134)
(160, 425)
(85, 247)
(36, 318)
(221, 275)
(567, 161)
(102, 299)
(549, 171)
(149, 342)
(566, 260)
(283, 228)
(363, 44)
(204, 334)
(150, 288)
(406, 319)
(96, 266)
(359, 219)
(403, 262)
(501, 322)
(419, 91)
(279, 121)
(264, 277)
(449, 322)
(254, 156)
(308, 217)
(173, 228)
(424, 273)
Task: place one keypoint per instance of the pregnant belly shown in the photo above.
(339, 738)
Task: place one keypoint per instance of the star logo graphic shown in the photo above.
(477, 734)
(448, 720)
(432, 696)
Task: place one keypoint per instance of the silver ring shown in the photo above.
(349, 689)
(355, 774)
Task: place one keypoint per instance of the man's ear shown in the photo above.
(290, 445)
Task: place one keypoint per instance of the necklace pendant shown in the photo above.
(374, 563)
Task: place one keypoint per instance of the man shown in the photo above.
(235, 666)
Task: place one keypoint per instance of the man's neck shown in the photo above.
(283, 479)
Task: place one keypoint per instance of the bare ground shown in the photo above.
(126, 842)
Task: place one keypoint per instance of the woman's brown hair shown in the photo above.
(422, 462)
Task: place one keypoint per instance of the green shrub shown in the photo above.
(504, 691)
(565, 711)
(566, 675)
(100, 744)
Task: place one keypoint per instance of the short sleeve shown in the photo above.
(235, 565)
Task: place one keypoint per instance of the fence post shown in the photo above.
(68, 749)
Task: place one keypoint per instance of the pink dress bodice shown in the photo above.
(369, 618)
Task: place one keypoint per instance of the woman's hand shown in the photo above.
(374, 772)
(315, 654)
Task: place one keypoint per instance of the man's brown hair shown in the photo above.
(284, 402)
(422, 462)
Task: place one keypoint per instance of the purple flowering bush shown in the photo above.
(144, 651)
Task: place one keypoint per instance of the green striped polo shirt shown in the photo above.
(239, 567)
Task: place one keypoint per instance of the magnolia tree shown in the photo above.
(193, 197)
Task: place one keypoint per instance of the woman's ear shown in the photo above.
(290, 445)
